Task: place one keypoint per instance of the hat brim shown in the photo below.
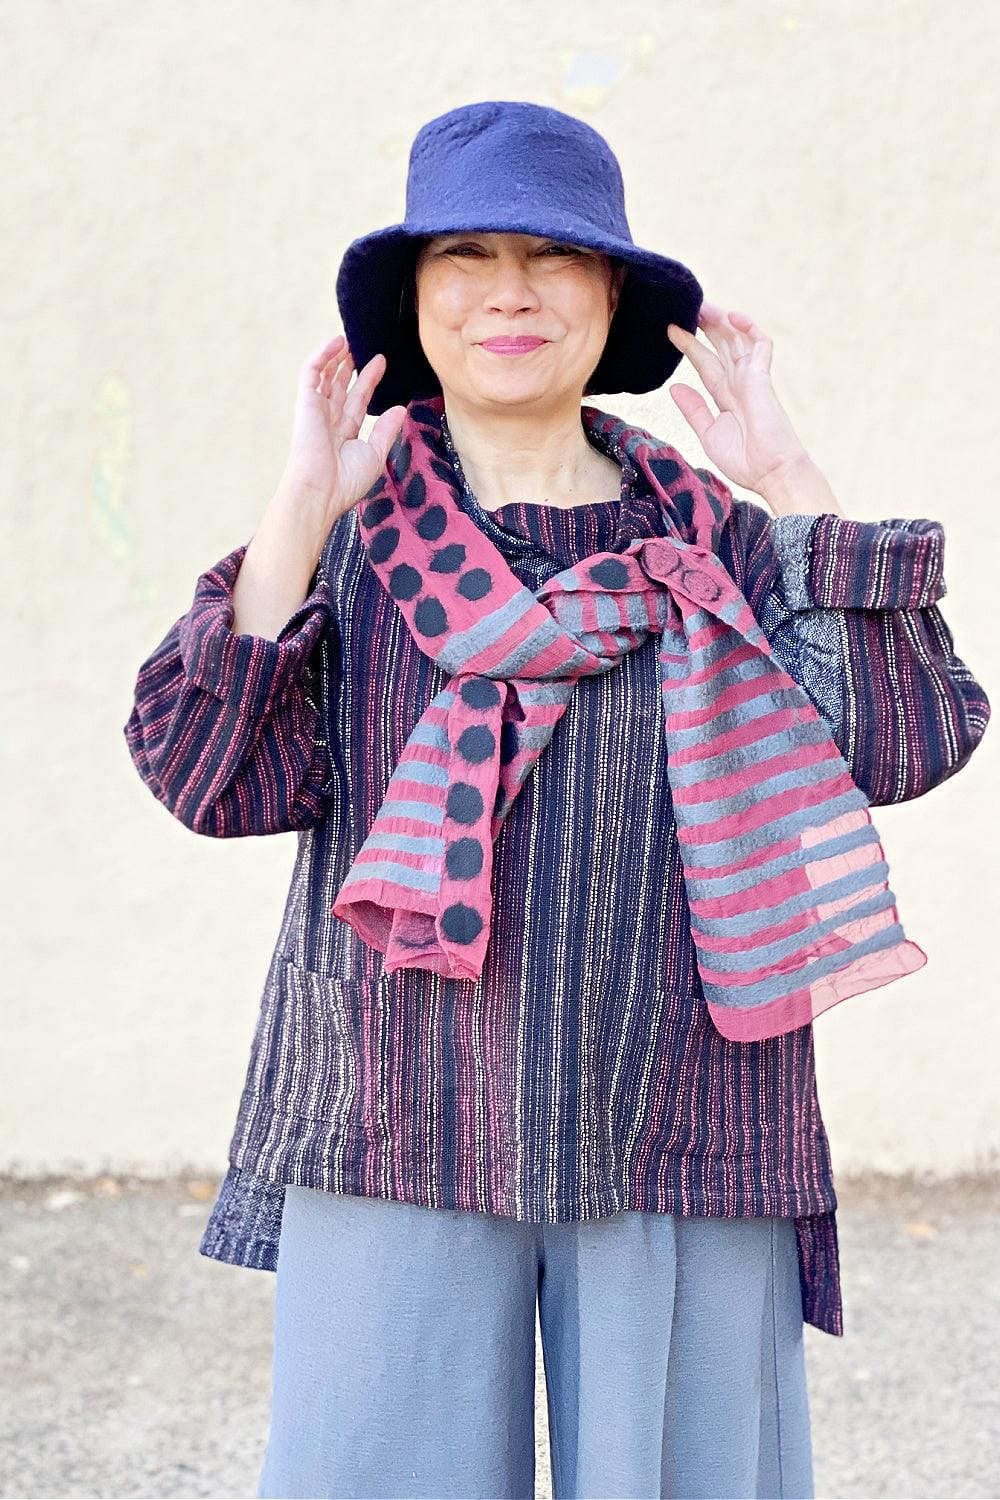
(637, 357)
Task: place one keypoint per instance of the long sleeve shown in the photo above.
(850, 609)
(227, 730)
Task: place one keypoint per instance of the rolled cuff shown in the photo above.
(250, 667)
(892, 564)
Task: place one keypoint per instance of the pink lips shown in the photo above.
(513, 345)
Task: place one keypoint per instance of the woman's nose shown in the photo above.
(511, 288)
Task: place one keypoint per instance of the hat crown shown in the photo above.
(495, 162)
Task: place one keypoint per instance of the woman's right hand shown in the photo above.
(326, 456)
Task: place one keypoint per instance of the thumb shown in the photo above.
(385, 432)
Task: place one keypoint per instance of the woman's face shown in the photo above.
(474, 286)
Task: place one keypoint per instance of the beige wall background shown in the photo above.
(179, 185)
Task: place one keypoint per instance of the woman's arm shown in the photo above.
(228, 730)
(850, 610)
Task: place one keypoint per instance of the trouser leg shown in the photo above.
(404, 1345)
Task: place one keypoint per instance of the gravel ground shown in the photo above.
(133, 1366)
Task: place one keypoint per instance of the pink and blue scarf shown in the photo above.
(786, 879)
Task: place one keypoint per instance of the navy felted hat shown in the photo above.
(506, 165)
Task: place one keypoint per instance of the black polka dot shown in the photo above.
(464, 859)
(384, 544)
(465, 803)
(430, 618)
(480, 692)
(421, 413)
(443, 470)
(400, 457)
(498, 800)
(666, 470)
(701, 587)
(376, 511)
(404, 581)
(475, 584)
(415, 493)
(461, 923)
(610, 574)
(509, 742)
(432, 523)
(476, 743)
(448, 559)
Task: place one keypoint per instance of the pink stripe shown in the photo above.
(779, 887)
(768, 810)
(829, 942)
(740, 692)
(745, 733)
(795, 758)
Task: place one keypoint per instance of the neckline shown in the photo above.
(520, 507)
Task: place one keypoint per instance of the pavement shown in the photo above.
(131, 1365)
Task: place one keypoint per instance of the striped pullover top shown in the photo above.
(581, 1074)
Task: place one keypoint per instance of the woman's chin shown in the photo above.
(515, 387)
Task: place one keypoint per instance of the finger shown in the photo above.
(693, 407)
(744, 321)
(339, 382)
(340, 378)
(761, 347)
(356, 405)
(385, 432)
(724, 329)
(323, 353)
(711, 314)
(319, 358)
(340, 365)
(704, 359)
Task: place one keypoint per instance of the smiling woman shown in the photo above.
(584, 848)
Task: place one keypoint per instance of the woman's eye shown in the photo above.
(476, 250)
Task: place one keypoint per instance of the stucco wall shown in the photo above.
(180, 184)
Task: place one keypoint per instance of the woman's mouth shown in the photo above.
(512, 345)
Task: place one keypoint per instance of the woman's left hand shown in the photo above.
(750, 439)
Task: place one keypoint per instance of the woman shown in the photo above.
(532, 690)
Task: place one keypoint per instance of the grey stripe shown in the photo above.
(555, 692)
(384, 869)
(695, 815)
(429, 734)
(746, 923)
(734, 718)
(777, 986)
(462, 645)
(703, 694)
(406, 843)
(772, 953)
(424, 812)
(695, 772)
(741, 880)
(420, 770)
(740, 845)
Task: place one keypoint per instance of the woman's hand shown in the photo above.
(751, 439)
(326, 456)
